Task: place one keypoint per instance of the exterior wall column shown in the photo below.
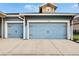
(24, 28)
(72, 30)
(68, 30)
(2, 28)
(23, 19)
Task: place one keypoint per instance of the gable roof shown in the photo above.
(49, 4)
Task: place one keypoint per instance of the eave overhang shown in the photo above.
(48, 14)
(2, 14)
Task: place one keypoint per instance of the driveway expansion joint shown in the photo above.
(13, 48)
(56, 48)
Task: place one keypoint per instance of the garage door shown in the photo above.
(47, 30)
(15, 30)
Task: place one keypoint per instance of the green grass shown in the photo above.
(76, 37)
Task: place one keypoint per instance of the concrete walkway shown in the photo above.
(38, 47)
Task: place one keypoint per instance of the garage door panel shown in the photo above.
(57, 31)
(15, 30)
(48, 31)
(35, 31)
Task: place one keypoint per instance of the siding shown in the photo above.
(48, 18)
(12, 19)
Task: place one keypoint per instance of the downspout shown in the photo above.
(21, 18)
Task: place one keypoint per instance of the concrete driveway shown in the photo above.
(38, 47)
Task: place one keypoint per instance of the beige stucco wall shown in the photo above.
(52, 9)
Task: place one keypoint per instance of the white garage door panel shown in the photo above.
(48, 31)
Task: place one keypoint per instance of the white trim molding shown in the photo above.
(68, 30)
(6, 27)
(61, 21)
(12, 15)
(27, 29)
(28, 21)
(24, 28)
(41, 14)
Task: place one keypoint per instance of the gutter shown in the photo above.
(48, 14)
(21, 17)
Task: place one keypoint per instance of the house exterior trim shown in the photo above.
(6, 24)
(24, 28)
(47, 14)
(12, 15)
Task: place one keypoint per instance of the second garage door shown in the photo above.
(47, 30)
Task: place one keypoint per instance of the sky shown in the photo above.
(34, 7)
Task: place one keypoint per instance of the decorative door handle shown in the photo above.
(16, 31)
(47, 31)
(30, 34)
